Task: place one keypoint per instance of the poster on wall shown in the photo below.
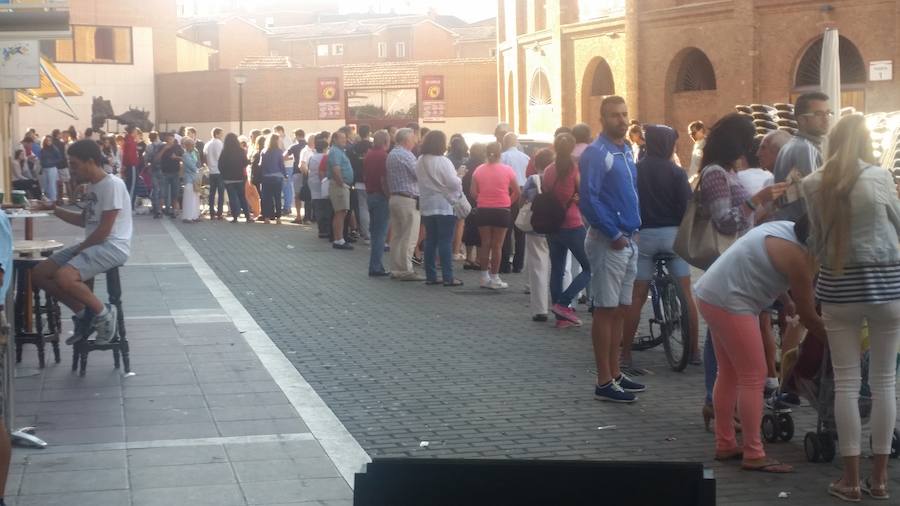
(433, 103)
(20, 64)
(881, 70)
(329, 99)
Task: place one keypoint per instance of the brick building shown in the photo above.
(359, 68)
(676, 61)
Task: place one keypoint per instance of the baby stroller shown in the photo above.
(812, 378)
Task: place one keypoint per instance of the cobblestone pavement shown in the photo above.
(466, 369)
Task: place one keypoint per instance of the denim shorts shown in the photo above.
(92, 261)
(612, 271)
(652, 241)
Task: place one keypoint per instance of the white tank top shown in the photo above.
(743, 280)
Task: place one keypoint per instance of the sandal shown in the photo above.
(879, 492)
(845, 493)
(455, 282)
(735, 454)
(768, 466)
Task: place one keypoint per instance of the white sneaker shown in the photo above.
(497, 284)
(106, 325)
(485, 283)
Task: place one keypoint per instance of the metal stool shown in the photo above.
(49, 310)
(119, 346)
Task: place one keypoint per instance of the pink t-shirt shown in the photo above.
(563, 192)
(493, 180)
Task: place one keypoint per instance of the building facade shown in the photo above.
(676, 61)
(115, 51)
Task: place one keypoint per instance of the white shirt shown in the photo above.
(438, 184)
(696, 158)
(315, 183)
(305, 154)
(518, 161)
(754, 180)
(212, 150)
(108, 194)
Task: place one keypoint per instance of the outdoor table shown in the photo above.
(29, 217)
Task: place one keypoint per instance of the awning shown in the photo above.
(53, 84)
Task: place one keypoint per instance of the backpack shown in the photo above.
(547, 213)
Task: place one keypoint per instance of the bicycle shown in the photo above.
(670, 316)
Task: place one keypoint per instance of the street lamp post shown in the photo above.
(240, 80)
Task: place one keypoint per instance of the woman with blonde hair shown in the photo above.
(495, 188)
(854, 215)
(273, 176)
(190, 164)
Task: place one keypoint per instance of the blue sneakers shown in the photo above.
(612, 392)
(628, 384)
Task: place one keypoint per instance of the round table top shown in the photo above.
(25, 247)
(24, 213)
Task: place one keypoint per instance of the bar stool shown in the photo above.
(30, 313)
(119, 346)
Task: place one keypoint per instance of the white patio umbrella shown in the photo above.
(830, 71)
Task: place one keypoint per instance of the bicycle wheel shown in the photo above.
(677, 326)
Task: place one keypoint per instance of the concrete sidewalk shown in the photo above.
(215, 414)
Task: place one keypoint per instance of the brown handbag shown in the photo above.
(698, 241)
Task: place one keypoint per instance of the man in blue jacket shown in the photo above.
(609, 204)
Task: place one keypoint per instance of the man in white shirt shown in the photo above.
(212, 151)
(697, 131)
(107, 245)
(519, 162)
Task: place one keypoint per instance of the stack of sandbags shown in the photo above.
(767, 118)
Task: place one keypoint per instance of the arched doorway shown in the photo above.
(853, 72)
(598, 83)
(690, 94)
(695, 72)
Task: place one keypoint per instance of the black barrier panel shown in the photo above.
(439, 482)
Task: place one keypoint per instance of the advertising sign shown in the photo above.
(20, 64)
(329, 98)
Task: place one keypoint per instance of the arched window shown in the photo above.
(540, 90)
(104, 46)
(602, 83)
(853, 69)
(696, 72)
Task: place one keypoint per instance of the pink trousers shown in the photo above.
(742, 375)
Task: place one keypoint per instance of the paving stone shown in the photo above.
(273, 451)
(83, 461)
(181, 475)
(105, 498)
(175, 456)
(171, 431)
(259, 427)
(274, 492)
(74, 481)
(213, 495)
(286, 469)
(136, 418)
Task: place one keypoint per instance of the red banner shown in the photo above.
(432, 88)
(329, 99)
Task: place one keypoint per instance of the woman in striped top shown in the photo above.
(854, 215)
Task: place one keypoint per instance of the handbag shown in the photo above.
(523, 220)
(547, 213)
(698, 241)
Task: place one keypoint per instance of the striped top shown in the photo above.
(868, 284)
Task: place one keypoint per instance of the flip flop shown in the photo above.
(880, 493)
(844, 493)
(455, 282)
(769, 466)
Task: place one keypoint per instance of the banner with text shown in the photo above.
(433, 104)
(329, 98)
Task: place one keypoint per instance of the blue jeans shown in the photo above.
(216, 186)
(439, 230)
(287, 192)
(49, 177)
(379, 218)
(271, 197)
(237, 200)
(171, 183)
(131, 174)
(156, 193)
(562, 242)
(710, 367)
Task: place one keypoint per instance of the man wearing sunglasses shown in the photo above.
(803, 153)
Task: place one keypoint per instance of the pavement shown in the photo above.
(213, 415)
(269, 368)
(467, 371)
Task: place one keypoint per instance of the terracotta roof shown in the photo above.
(405, 75)
(266, 62)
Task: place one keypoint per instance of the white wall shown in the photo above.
(124, 85)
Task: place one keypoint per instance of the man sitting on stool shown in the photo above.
(106, 219)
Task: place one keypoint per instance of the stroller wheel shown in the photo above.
(770, 429)
(811, 447)
(827, 446)
(785, 427)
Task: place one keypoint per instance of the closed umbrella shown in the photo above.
(830, 75)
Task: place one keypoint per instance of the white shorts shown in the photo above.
(92, 261)
(612, 271)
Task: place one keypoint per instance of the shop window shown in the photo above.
(322, 50)
(695, 73)
(853, 68)
(401, 50)
(104, 48)
(382, 50)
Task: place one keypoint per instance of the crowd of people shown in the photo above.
(584, 218)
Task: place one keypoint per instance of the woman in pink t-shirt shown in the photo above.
(494, 187)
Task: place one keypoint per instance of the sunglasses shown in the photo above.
(819, 114)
